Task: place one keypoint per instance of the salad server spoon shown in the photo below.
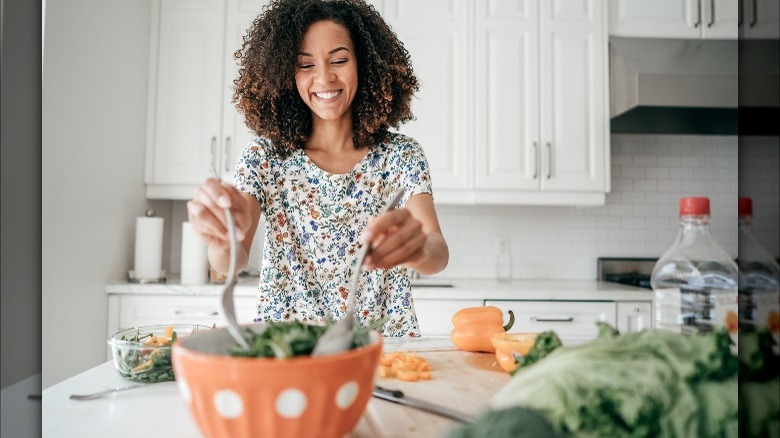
(338, 337)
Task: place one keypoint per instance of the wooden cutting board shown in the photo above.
(460, 380)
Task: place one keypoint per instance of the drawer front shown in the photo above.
(150, 310)
(435, 316)
(573, 321)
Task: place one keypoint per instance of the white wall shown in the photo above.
(94, 88)
(759, 179)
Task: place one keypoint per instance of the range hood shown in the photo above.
(674, 86)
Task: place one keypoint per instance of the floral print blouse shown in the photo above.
(313, 224)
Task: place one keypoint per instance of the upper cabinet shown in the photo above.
(759, 19)
(687, 19)
(541, 103)
(513, 106)
(437, 35)
(193, 128)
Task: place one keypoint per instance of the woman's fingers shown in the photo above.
(408, 251)
(206, 211)
(396, 237)
(205, 223)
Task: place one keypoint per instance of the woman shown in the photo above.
(320, 83)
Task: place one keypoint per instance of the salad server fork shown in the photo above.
(226, 296)
(104, 392)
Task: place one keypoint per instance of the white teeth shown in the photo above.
(326, 94)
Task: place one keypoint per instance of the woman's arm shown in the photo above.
(207, 215)
(409, 236)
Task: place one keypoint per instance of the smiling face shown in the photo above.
(327, 76)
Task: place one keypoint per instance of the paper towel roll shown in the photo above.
(148, 248)
(194, 256)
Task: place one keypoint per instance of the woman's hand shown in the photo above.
(206, 212)
(396, 238)
(408, 236)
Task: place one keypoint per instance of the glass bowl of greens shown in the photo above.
(143, 354)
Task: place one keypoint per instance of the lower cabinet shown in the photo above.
(435, 316)
(573, 321)
(126, 311)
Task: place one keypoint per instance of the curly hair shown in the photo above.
(265, 90)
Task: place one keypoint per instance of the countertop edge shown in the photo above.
(460, 289)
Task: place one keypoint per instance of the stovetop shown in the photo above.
(633, 271)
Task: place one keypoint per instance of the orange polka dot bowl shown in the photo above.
(243, 397)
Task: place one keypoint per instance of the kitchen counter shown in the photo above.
(460, 380)
(434, 288)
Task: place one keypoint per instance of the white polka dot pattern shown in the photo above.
(228, 404)
(291, 403)
(184, 389)
(347, 394)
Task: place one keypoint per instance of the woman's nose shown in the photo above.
(325, 75)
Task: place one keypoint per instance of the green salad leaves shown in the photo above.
(640, 384)
(287, 339)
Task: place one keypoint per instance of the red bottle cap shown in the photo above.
(745, 206)
(695, 205)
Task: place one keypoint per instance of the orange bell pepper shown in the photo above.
(507, 344)
(475, 326)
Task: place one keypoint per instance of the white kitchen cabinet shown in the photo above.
(513, 101)
(573, 321)
(759, 19)
(192, 125)
(435, 316)
(437, 35)
(687, 19)
(132, 310)
(634, 316)
(542, 119)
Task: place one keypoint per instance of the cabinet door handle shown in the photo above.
(179, 312)
(549, 160)
(698, 14)
(740, 12)
(712, 14)
(536, 160)
(227, 154)
(214, 155)
(537, 319)
(754, 19)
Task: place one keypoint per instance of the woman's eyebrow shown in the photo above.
(329, 53)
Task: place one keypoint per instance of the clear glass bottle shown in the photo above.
(695, 281)
(759, 278)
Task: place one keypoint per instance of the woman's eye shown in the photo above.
(339, 61)
(305, 66)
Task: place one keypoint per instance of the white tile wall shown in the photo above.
(640, 219)
(759, 178)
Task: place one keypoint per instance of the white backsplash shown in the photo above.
(649, 175)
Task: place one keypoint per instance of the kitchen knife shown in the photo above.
(397, 396)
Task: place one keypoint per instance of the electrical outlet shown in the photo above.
(502, 244)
